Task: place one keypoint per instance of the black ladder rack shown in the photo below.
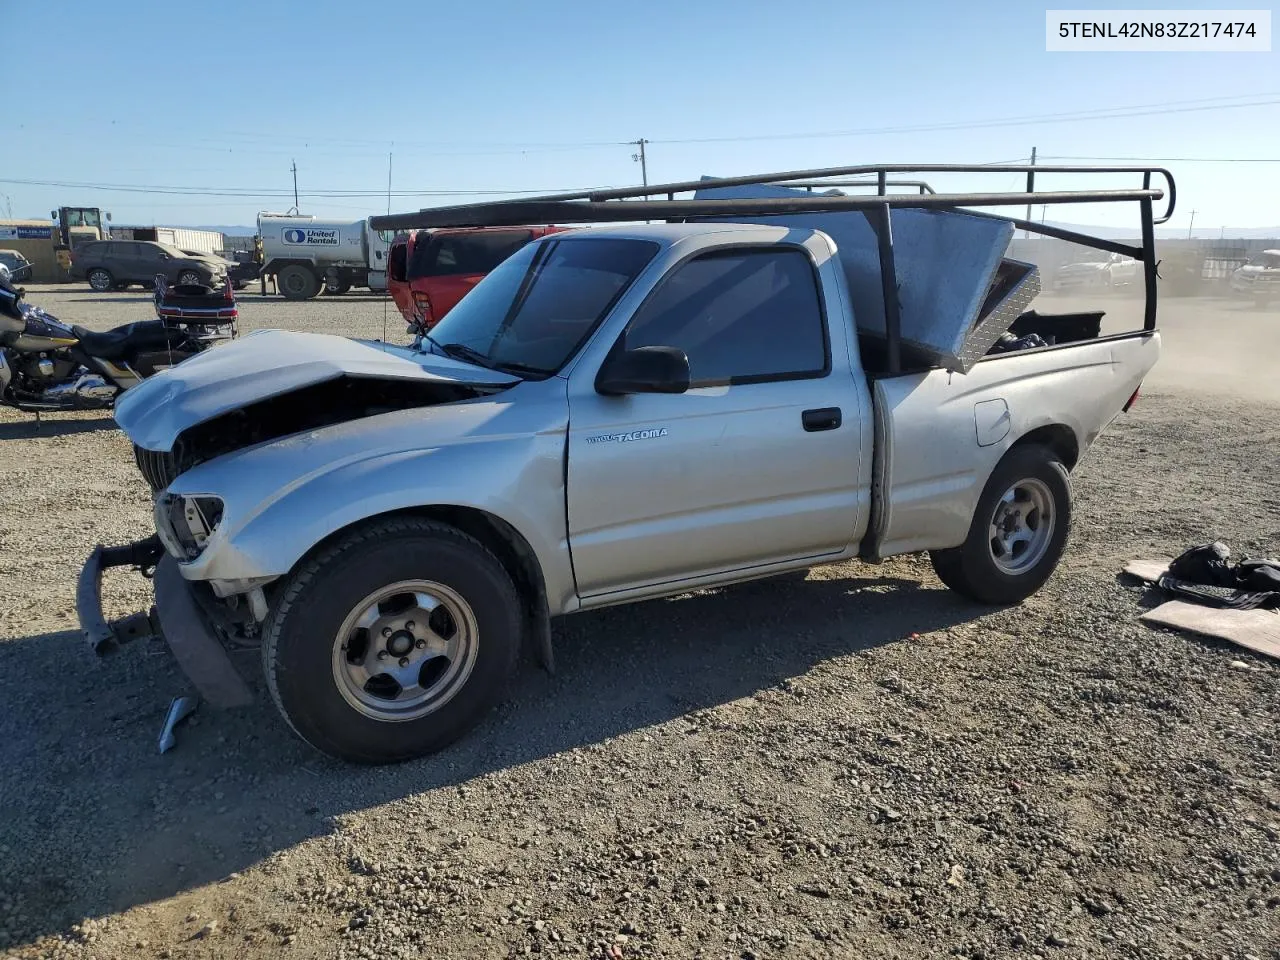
(631, 204)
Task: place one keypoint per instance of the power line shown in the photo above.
(1171, 159)
(252, 192)
(1113, 113)
(226, 142)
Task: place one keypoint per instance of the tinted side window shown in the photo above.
(740, 315)
(396, 260)
(467, 253)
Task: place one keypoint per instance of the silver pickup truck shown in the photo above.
(615, 413)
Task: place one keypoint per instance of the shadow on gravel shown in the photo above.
(46, 427)
(96, 821)
(118, 298)
(253, 296)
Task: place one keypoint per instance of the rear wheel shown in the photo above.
(1018, 533)
(393, 642)
(296, 282)
(100, 280)
(336, 287)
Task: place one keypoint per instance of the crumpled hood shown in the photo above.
(270, 363)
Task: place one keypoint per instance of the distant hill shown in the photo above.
(229, 231)
(1172, 233)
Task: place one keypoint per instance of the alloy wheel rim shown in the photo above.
(405, 650)
(1022, 526)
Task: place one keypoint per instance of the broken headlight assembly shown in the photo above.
(185, 523)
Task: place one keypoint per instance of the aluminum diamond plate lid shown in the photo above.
(957, 291)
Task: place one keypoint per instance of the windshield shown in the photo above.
(538, 306)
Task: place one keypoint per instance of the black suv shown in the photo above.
(114, 264)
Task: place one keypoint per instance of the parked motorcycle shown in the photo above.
(46, 364)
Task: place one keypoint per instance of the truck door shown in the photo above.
(758, 462)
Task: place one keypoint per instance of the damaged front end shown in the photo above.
(262, 388)
(179, 616)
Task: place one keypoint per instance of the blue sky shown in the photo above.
(525, 96)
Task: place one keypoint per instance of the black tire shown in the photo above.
(296, 282)
(299, 637)
(336, 289)
(971, 569)
(190, 278)
(100, 280)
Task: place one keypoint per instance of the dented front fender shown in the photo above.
(496, 455)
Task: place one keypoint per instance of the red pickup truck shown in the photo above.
(429, 271)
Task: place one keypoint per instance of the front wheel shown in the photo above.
(1018, 533)
(393, 642)
(189, 278)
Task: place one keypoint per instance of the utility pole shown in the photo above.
(294, 168)
(1031, 183)
(388, 182)
(1191, 224)
(644, 168)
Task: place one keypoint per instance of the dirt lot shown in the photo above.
(860, 764)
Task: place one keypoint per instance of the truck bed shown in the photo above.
(926, 478)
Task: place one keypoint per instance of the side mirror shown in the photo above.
(644, 370)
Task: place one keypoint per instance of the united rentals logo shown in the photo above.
(311, 237)
(647, 434)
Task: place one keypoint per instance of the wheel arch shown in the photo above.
(276, 264)
(1058, 437)
(497, 535)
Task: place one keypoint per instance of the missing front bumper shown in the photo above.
(176, 616)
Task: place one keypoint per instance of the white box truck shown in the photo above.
(307, 255)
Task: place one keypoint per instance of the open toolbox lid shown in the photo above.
(957, 291)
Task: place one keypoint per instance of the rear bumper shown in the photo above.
(177, 616)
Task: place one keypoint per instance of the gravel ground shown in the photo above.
(860, 764)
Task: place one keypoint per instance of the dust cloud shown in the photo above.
(1218, 346)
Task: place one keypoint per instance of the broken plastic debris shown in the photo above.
(179, 709)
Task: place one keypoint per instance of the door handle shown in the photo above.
(824, 418)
